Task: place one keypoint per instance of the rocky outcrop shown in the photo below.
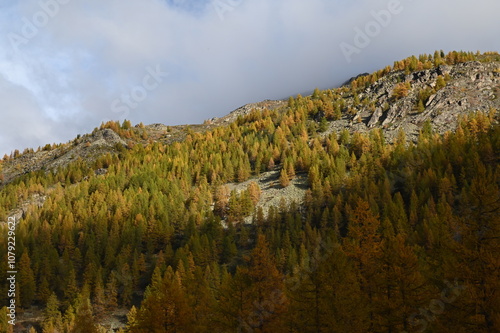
(106, 137)
(246, 109)
(37, 200)
(87, 147)
(348, 82)
(470, 87)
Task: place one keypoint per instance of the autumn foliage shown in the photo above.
(381, 228)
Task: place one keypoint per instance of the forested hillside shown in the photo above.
(394, 232)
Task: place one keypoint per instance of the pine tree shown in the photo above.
(84, 320)
(165, 307)
(69, 319)
(404, 287)
(440, 82)
(266, 291)
(44, 292)
(111, 293)
(324, 294)
(284, 179)
(132, 319)
(420, 106)
(254, 191)
(99, 299)
(200, 300)
(401, 90)
(52, 315)
(270, 164)
(477, 246)
(71, 288)
(364, 245)
(5, 326)
(26, 280)
(234, 304)
(221, 200)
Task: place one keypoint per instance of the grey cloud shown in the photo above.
(23, 125)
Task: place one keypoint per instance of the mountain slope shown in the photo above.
(274, 220)
(366, 102)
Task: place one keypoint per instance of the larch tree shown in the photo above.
(26, 278)
(266, 290)
(254, 191)
(52, 315)
(84, 320)
(284, 180)
(233, 300)
(364, 246)
(325, 295)
(477, 246)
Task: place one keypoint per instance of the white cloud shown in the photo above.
(65, 77)
(22, 124)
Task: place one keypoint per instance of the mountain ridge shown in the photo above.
(370, 106)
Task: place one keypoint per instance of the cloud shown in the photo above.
(22, 122)
(219, 54)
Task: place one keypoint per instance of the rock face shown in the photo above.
(470, 87)
(272, 193)
(87, 147)
(348, 82)
(106, 137)
(246, 109)
(36, 199)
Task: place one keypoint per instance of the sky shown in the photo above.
(68, 65)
